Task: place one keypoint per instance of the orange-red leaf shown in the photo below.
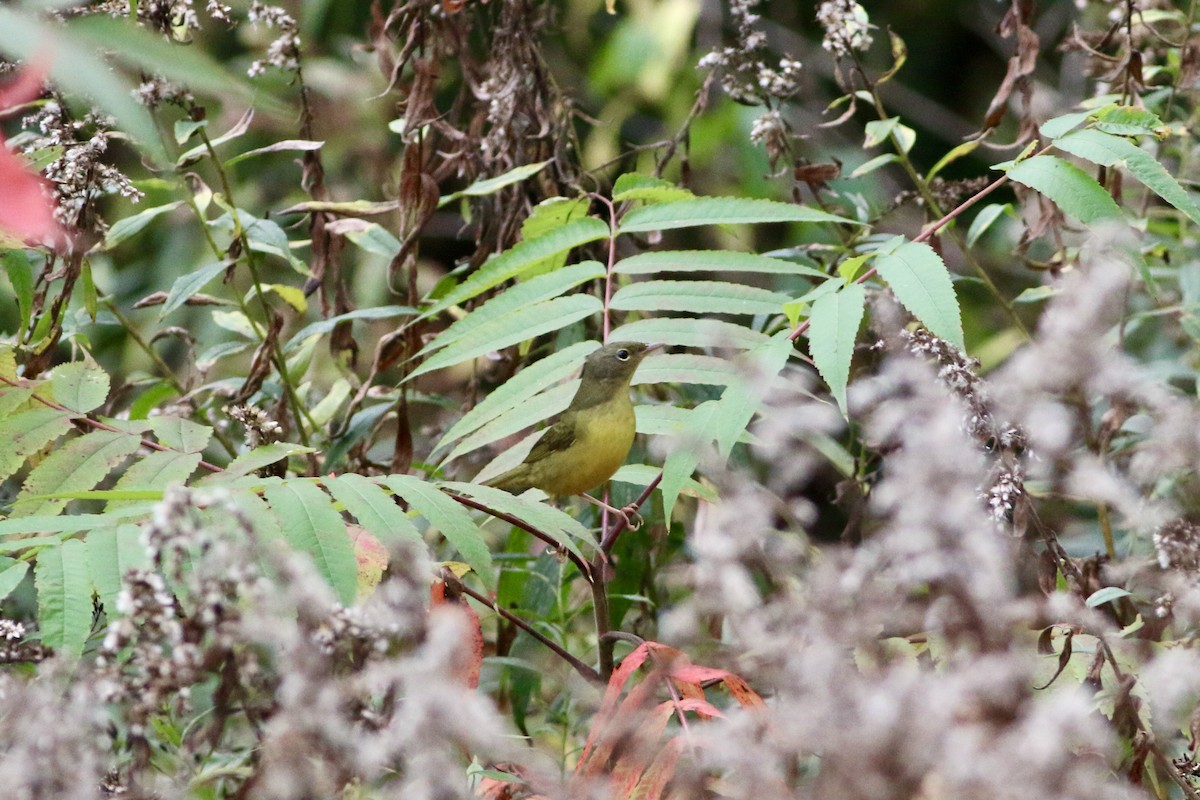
(441, 596)
(372, 558)
(660, 772)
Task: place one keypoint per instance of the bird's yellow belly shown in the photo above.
(599, 450)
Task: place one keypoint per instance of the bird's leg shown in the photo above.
(629, 513)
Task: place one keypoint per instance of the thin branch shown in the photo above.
(584, 568)
(928, 232)
(299, 411)
(84, 419)
(612, 259)
(600, 612)
(605, 638)
(610, 538)
(166, 370)
(1128, 682)
(580, 667)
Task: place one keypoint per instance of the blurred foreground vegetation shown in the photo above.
(284, 285)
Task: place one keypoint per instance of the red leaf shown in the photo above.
(693, 673)
(660, 772)
(639, 750)
(612, 694)
(700, 706)
(27, 86)
(441, 596)
(26, 208)
(742, 692)
(372, 558)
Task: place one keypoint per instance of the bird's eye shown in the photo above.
(623, 354)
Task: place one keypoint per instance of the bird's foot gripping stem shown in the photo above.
(631, 516)
(633, 520)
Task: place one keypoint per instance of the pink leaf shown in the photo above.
(26, 207)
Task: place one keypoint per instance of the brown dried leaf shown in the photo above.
(1135, 68)
(152, 299)
(1064, 657)
(158, 298)
(817, 175)
(1047, 567)
(1189, 63)
(1020, 66)
(260, 365)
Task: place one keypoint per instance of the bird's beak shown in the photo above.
(650, 348)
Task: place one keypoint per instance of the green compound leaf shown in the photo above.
(80, 387)
(524, 294)
(518, 389)
(686, 368)
(374, 508)
(833, 329)
(1128, 121)
(922, 283)
(490, 185)
(154, 473)
(27, 432)
(714, 261)
(311, 524)
(540, 407)
(686, 332)
(984, 220)
(187, 285)
(698, 297)
(685, 455)
(1071, 189)
(720, 211)
(76, 467)
(634, 186)
(562, 528)
(258, 458)
(449, 518)
(525, 255)
(64, 592)
(181, 434)
(68, 523)
(740, 402)
(111, 553)
(516, 326)
(1107, 150)
(1106, 595)
(11, 576)
(321, 327)
(130, 226)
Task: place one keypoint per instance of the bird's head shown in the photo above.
(616, 361)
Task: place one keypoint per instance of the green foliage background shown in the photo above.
(357, 284)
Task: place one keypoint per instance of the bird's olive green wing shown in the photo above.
(557, 438)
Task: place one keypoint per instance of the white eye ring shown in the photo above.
(623, 354)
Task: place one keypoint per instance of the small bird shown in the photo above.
(591, 439)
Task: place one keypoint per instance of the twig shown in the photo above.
(612, 258)
(84, 419)
(610, 538)
(1128, 682)
(579, 666)
(605, 637)
(928, 232)
(299, 412)
(583, 566)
